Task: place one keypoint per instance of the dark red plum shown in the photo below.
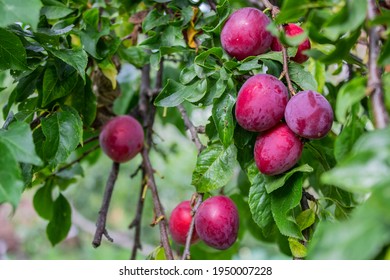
(122, 138)
(261, 102)
(277, 150)
(244, 33)
(179, 223)
(309, 114)
(292, 30)
(217, 222)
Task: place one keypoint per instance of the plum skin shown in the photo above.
(277, 150)
(309, 115)
(179, 223)
(292, 29)
(217, 222)
(244, 33)
(122, 138)
(261, 102)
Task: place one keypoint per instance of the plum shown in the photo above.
(180, 221)
(291, 30)
(277, 150)
(244, 33)
(217, 222)
(309, 114)
(261, 102)
(122, 138)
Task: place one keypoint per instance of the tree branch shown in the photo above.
(148, 112)
(190, 126)
(101, 222)
(375, 85)
(186, 252)
(81, 157)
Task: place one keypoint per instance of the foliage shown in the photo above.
(66, 57)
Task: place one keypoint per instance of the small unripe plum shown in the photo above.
(292, 30)
(122, 138)
(180, 221)
(244, 33)
(217, 222)
(261, 102)
(277, 150)
(309, 114)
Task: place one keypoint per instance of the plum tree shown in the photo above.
(244, 33)
(309, 114)
(122, 138)
(261, 102)
(277, 150)
(180, 221)
(292, 30)
(217, 222)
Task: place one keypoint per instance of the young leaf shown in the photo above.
(19, 141)
(306, 219)
(60, 223)
(12, 53)
(298, 250)
(11, 181)
(223, 118)
(214, 167)
(283, 201)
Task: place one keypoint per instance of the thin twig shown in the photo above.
(186, 253)
(285, 70)
(37, 121)
(374, 84)
(212, 5)
(274, 9)
(101, 222)
(9, 119)
(190, 126)
(81, 157)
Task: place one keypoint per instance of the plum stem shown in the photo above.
(186, 253)
(375, 85)
(102, 218)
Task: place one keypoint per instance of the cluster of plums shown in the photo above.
(263, 100)
(262, 105)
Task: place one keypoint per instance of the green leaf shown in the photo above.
(43, 201)
(77, 58)
(154, 19)
(157, 254)
(260, 204)
(283, 201)
(301, 77)
(317, 69)
(366, 166)
(223, 12)
(12, 52)
(361, 237)
(214, 167)
(18, 138)
(134, 55)
(63, 132)
(56, 11)
(306, 219)
(11, 181)
(292, 11)
(350, 17)
(298, 250)
(187, 75)
(223, 118)
(384, 58)
(57, 85)
(17, 11)
(273, 183)
(349, 94)
(347, 138)
(175, 93)
(60, 223)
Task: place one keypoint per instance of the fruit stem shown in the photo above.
(186, 252)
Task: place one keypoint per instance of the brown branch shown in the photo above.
(186, 252)
(37, 121)
(374, 84)
(285, 70)
(136, 223)
(102, 218)
(274, 9)
(148, 112)
(212, 5)
(190, 126)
